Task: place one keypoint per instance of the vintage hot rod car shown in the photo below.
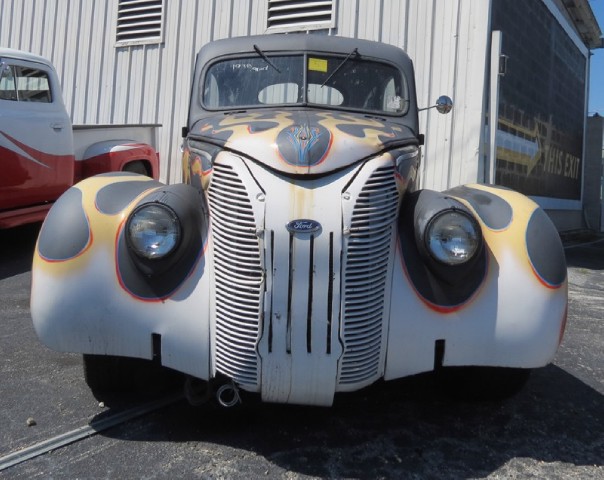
(299, 258)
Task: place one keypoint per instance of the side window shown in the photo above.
(8, 88)
(33, 85)
(24, 84)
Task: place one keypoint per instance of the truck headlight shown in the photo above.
(153, 231)
(453, 237)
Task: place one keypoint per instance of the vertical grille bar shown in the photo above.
(330, 294)
(309, 312)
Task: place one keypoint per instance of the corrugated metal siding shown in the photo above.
(447, 40)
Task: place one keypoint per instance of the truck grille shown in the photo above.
(238, 277)
(363, 285)
(366, 275)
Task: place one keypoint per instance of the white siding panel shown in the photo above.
(104, 54)
(28, 22)
(86, 68)
(369, 19)
(471, 63)
(440, 78)
(394, 23)
(152, 84)
(258, 12)
(71, 56)
(120, 93)
(177, 78)
(222, 19)
(136, 86)
(7, 20)
(171, 70)
(240, 18)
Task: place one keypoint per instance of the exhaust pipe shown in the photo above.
(228, 395)
(199, 392)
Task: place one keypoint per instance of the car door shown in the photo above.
(36, 141)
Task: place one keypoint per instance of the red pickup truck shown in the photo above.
(41, 154)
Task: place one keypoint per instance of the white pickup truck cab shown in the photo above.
(41, 155)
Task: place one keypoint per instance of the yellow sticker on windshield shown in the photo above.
(317, 65)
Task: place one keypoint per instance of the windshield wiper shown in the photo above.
(354, 52)
(265, 58)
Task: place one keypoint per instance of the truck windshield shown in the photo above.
(341, 82)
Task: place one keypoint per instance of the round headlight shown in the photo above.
(453, 237)
(153, 231)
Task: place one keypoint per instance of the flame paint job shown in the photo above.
(303, 141)
(290, 314)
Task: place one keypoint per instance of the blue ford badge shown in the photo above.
(303, 226)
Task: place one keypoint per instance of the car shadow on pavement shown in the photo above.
(17, 249)
(585, 251)
(401, 429)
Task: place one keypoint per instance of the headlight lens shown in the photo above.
(453, 237)
(153, 231)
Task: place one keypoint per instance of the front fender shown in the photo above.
(510, 311)
(88, 296)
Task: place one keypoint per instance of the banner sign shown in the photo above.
(541, 103)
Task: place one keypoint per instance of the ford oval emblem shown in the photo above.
(303, 226)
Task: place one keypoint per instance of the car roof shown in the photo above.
(23, 55)
(302, 42)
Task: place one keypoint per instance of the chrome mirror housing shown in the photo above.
(4, 67)
(444, 104)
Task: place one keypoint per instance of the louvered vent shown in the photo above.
(139, 21)
(300, 14)
(238, 277)
(365, 276)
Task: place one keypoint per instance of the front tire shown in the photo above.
(481, 383)
(106, 374)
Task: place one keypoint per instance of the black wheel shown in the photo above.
(481, 383)
(136, 167)
(110, 374)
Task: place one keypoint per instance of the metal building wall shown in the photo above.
(447, 40)
(102, 84)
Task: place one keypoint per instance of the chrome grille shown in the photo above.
(238, 277)
(366, 275)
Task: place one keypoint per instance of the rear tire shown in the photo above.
(481, 383)
(136, 167)
(106, 374)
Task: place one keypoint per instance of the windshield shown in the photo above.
(343, 82)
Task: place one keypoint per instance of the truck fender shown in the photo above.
(91, 295)
(508, 309)
(116, 156)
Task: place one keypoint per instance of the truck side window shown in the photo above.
(8, 89)
(24, 84)
(33, 85)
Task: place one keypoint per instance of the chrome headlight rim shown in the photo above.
(173, 240)
(447, 256)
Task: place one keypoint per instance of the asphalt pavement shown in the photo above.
(552, 429)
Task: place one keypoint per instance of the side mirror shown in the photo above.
(443, 104)
(4, 68)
